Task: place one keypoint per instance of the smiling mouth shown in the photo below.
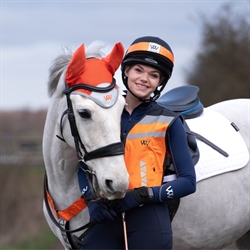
(140, 86)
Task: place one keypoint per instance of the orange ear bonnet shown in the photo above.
(95, 72)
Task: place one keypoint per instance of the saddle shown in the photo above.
(183, 100)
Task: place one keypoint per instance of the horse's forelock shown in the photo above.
(95, 49)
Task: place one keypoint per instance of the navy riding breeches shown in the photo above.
(148, 227)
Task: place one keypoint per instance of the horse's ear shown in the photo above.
(114, 58)
(76, 66)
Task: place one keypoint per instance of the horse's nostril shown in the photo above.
(109, 185)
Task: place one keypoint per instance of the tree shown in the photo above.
(221, 68)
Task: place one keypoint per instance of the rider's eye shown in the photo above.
(84, 113)
(138, 69)
(154, 76)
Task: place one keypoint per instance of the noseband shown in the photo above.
(109, 150)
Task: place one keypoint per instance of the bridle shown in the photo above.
(108, 150)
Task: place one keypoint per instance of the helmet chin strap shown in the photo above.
(140, 99)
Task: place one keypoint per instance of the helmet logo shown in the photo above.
(154, 47)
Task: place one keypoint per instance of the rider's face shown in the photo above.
(142, 80)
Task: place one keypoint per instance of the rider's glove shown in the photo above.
(100, 213)
(99, 209)
(133, 198)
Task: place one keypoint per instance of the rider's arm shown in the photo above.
(185, 184)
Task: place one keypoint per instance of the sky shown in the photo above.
(34, 32)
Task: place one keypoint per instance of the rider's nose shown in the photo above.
(144, 77)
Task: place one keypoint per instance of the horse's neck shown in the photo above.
(63, 179)
(61, 167)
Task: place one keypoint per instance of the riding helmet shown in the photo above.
(151, 51)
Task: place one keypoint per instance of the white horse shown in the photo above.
(217, 215)
(84, 92)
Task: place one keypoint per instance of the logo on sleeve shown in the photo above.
(170, 192)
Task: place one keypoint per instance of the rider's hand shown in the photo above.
(133, 198)
(100, 213)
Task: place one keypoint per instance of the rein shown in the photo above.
(89, 226)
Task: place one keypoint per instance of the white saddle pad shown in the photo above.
(217, 129)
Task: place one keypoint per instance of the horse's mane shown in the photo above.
(59, 64)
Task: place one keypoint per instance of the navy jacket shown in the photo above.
(186, 182)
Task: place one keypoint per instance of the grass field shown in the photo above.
(22, 223)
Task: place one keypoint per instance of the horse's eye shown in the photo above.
(84, 113)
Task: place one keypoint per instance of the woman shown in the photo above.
(150, 133)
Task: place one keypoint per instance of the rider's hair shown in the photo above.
(151, 51)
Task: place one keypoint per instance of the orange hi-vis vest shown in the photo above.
(145, 148)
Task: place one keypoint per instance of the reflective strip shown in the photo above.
(158, 123)
(143, 135)
(169, 178)
(153, 47)
(149, 119)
